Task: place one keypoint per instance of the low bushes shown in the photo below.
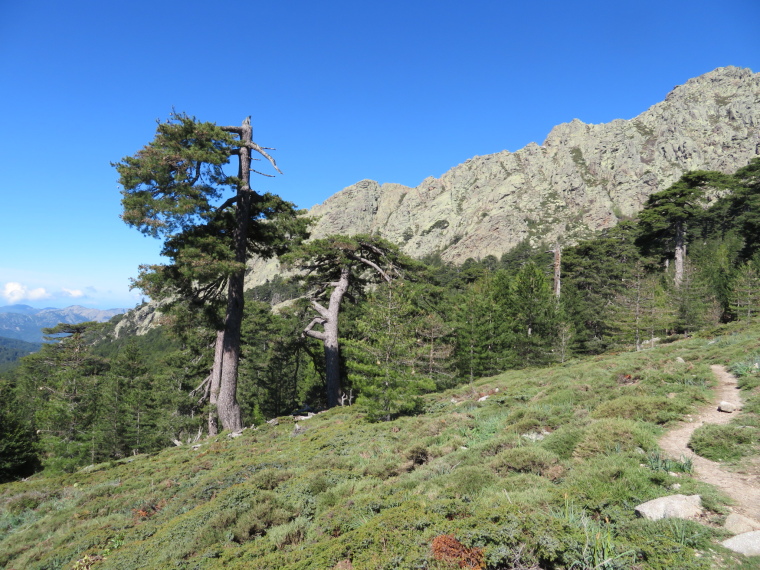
(724, 442)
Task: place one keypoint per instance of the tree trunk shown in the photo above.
(680, 254)
(227, 405)
(332, 349)
(216, 380)
(329, 337)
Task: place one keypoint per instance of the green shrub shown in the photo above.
(269, 479)
(656, 462)
(668, 543)
(265, 511)
(467, 481)
(290, 533)
(608, 435)
(24, 502)
(563, 441)
(658, 410)
(610, 486)
(723, 442)
(499, 444)
(529, 459)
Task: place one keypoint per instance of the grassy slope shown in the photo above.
(338, 488)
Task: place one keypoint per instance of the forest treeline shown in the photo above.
(688, 261)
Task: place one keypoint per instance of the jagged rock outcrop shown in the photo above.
(139, 320)
(583, 178)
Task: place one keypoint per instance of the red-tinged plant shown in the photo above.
(449, 549)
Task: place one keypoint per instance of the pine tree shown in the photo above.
(593, 275)
(694, 305)
(276, 370)
(387, 362)
(669, 215)
(746, 292)
(634, 304)
(127, 413)
(60, 388)
(481, 334)
(533, 312)
(330, 267)
(18, 441)
(172, 188)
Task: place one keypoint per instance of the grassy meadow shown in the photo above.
(537, 468)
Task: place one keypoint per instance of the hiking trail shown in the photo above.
(742, 487)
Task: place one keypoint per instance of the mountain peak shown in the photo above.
(584, 177)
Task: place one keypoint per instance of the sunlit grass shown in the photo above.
(545, 470)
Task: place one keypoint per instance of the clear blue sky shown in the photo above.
(345, 90)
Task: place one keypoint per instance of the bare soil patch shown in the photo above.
(743, 485)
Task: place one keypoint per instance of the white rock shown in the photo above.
(674, 506)
(738, 524)
(747, 543)
(727, 407)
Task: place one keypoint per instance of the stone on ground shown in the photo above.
(738, 524)
(673, 506)
(747, 543)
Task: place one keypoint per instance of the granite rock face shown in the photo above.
(581, 179)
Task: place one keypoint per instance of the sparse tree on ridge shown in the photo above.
(173, 187)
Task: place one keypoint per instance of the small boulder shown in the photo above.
(747, 543)
(673, 506)
(727, 407)
(738, 524)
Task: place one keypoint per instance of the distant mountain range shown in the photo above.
(23, 322)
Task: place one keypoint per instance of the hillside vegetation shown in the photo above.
(537, 468)
(501, 412)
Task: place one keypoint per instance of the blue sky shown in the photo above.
(392, 91)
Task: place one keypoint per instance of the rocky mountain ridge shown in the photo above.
(26, 323)
(583, 178)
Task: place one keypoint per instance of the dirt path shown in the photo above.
(743, 488)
